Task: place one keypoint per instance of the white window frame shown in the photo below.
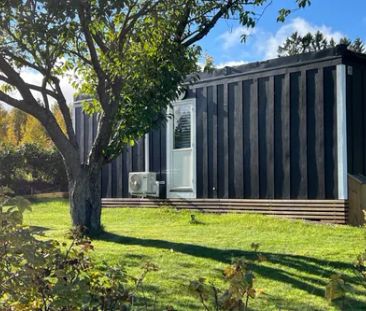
(169, 148)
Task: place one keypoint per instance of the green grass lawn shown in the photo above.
(300, 256)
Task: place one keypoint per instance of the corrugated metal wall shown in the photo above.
(269, 134)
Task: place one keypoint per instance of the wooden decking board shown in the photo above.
(304, 209)
(226, 200)
(328, 211)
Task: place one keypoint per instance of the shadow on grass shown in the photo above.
(47, 200)
(314, 267)
(38, 229)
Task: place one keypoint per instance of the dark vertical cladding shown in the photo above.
(125, 170)
(231, 103)
(201, 136)
(330, 133)
(250, 139)
(313, 166)
(225, 142)
(319, 134)
(215, 146)
(295, 134)
(221, 142)
(254, 141)
(138, 155)
(211, 183)
(281, 137)
(265, 134)
(235, 140)
(247, 138)
(303, 188)
(114, 180)
(155, 150)
(350, 144)
(356, 118)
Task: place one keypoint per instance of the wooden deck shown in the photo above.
(327, 211)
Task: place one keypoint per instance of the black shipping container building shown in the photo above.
(273, 137)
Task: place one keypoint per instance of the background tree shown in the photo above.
(18, 128)
(16, 120)
(297, 44)
(128, 56)
(29, 162)
(3, 125)
(35, 133)
(209, 65)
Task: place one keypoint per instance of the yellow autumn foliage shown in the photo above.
(3, 125)
(18, 128)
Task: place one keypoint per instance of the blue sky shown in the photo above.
(335, 18)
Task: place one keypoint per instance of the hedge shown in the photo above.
(29, 169)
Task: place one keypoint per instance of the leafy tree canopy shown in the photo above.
(128, 56)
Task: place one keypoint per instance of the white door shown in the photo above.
(181, 150)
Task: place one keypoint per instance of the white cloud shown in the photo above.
(225, 64)
(233, 37)
(231, 64)
(36, 78)
(67, 90)
(201, 65)
(268, 44)
(33, 77)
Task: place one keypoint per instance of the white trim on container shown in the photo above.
(77, 104)
(147, 152)
(342, 132)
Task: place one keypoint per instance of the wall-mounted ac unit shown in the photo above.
(143, 184)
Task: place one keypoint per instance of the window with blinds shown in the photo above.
(182, 127)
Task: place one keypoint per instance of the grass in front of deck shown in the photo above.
(300, 256)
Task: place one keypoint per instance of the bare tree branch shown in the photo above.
(65, 111)
(130, 21)
(181, 28)
(206, 29)
(30, 105)
(31, 86)
(23, 61)
(101, 89)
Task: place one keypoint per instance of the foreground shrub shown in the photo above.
(361, 268)
(48, 275)
(337, 288)
(240, 287)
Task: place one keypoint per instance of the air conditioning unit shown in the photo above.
(143, 184)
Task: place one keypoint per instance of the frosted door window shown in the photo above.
(182, 169)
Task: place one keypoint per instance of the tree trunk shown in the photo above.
(85, 198)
